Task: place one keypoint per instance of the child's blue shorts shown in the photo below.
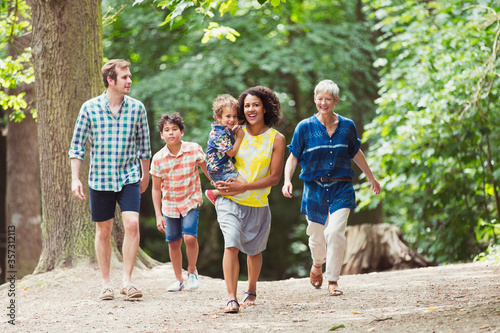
(184, 225)
(224, 176)
(103, 203)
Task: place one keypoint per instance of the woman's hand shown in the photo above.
(230, 187)
(375, 186)
(287, 189)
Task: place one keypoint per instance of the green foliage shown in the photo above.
(179, 9)
(492, 254)
(14, 71)
(436, 135)
(214, 30)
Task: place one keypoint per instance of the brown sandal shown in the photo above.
(316, 279)
(332, 289)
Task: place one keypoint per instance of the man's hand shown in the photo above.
(144, 183)
(77, 189)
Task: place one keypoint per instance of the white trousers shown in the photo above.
(327, 242)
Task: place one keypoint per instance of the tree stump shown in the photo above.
(376, 248)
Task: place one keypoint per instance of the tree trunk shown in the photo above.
(376, 248)
(23, 209)
(67, 57)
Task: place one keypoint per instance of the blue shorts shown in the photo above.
(103, 203)
(223, 176)
(184, 225)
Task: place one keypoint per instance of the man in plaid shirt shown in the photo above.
(116, 126)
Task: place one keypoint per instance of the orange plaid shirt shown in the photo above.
(180, 178)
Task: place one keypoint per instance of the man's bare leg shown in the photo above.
(129, 252)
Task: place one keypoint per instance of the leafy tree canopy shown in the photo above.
(14, 70)
(435, 139)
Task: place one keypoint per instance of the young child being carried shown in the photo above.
(222, 143)
(177, 196)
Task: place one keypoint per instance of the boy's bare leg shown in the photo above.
(103, 248)
(192, 250)
(174, 249)
(130, 244)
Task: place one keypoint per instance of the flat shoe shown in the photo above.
(232, 309)
(332, 289)
(107, 294)
(131, 292)
(248, 294)
(210, 196)
(176, 286)
(316, 279)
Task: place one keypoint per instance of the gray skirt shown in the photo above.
(243, 227)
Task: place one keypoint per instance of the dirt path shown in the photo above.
(454, 298)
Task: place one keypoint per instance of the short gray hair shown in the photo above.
(327, 86)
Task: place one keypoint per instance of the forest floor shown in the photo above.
(453, 298)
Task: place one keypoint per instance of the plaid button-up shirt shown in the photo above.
(116, 143)
(180, 179)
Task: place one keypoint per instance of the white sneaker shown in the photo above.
(176, 286)
(193, 282)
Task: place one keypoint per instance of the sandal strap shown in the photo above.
(233, 300)
(248, 294)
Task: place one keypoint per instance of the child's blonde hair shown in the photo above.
(221, 101)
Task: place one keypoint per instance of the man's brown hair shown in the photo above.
(109, 69)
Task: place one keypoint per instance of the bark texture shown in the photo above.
(376, 248)
(67, 56)
(23, 177)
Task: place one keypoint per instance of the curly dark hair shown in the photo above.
(172, 118)
(269, 100)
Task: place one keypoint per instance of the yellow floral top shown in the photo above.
(253, 162)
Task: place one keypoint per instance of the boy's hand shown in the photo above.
(160, 224)
(77, 189)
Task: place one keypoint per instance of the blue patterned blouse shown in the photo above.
(322, 156)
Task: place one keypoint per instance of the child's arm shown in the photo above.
(203, 166)
(236, 145)
(156, 194)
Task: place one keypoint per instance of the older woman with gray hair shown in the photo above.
(324, 145)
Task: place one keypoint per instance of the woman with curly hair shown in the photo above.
(242, 210)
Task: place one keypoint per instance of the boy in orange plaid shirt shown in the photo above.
(177, 196)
